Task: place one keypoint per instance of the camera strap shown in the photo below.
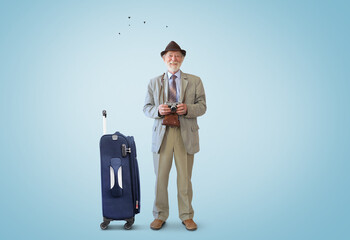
(160, 92)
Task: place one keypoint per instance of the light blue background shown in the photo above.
(274, 159)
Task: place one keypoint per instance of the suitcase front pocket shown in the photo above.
(116, 177)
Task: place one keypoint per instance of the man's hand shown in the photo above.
(181, 109)
(164, 109)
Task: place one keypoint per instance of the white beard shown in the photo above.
(174, 68)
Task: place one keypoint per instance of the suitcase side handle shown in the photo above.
(115, 174)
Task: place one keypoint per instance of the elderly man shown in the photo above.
(175, 133)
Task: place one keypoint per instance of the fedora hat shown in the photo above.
(173, 46)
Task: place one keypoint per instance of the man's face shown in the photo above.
(173, 60)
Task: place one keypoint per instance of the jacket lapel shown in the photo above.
(164, 83)
(184, 83)
(166, 87)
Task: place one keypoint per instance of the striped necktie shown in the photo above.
(172, 89)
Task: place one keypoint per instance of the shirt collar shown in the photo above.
(177, 74)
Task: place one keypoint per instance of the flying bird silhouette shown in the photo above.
(144, 22)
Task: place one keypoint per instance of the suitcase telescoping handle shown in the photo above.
(104, 116)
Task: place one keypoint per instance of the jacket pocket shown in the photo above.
(194, 128)
(195, 136)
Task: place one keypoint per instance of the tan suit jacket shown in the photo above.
(192, 91)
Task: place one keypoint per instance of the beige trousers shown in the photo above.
(173, 145)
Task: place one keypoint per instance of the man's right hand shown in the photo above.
(163, 109)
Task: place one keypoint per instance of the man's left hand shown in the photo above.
(181, 109)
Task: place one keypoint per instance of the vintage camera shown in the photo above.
(173, 106)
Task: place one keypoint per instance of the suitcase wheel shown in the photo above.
(129, 223)
(104, 225)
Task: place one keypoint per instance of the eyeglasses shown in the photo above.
(174, 55)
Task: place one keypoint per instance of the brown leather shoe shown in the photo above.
(190, 224)
(157, 224)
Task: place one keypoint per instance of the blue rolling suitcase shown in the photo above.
(120, 183)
